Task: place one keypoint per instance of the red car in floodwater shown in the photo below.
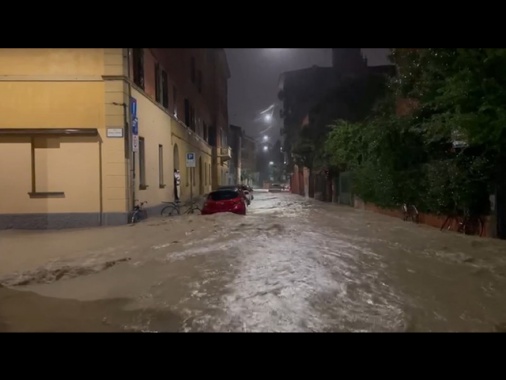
(224, 201)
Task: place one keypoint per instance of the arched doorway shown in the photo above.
(201, 177)
(175, 157)
(177, 178)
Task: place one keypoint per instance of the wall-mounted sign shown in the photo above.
(114, 132)
(190, 160)
(133, 108)
(135, 126)
(135, 143)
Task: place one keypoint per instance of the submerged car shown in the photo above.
(275, 188)
(224, 200)
(243, 189)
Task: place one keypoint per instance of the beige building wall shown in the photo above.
(162, 133)
(57, 180)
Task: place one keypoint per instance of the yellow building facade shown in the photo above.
(66, 147)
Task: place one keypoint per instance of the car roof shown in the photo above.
(223, 190)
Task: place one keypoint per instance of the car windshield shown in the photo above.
(223, 195)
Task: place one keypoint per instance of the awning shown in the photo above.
(48, 132)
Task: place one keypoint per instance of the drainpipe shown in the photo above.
(131, 154)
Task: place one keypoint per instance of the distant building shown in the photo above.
(235, 134)
(299, 92)
(348, 61)
(249, 172)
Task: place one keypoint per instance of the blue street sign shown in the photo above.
(133, 108)
(190, 160)
(135, 126)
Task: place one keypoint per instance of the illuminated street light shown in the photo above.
(268, 117)
(271, 162)
(266, 148)
(266, 138)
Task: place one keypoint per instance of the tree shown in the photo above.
(445, 154)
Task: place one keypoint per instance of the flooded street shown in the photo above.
(290, 265)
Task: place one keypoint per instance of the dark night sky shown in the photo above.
(253, 85)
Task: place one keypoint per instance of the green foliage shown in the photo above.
(385, 156)
(461, 97)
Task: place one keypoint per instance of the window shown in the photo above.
(142, 164)
(192, 69)
(165, 89)
(174, 99)
(160, 167)
(199, 81)
(46, 180)
(192, 119)
(187, 113)
(158, 87)
(212, 135)
(138, 67)
(205, 174)
(224, 195)
(224, 139)
(161, 86)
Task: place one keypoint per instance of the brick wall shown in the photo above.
(432, 220)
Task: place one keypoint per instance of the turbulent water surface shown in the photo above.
(290, 265)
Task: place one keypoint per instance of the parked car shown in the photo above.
(224, 200)
(248, 191)
(248, 196)
(275, 188)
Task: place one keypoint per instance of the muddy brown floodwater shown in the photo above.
(291, 264)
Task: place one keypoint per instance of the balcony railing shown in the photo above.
(224, 153)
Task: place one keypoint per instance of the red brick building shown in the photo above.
(191, 86)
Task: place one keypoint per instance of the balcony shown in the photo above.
(224, 153)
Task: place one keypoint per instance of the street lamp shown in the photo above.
(268, 117)
(266, 138)
(271, 163)
(266, 148)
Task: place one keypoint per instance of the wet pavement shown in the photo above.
(291, 264)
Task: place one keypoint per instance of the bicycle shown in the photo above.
(468, 225)
(450, 220)
(410, 212)
(471, 225)
(176, 206)
(138, 213)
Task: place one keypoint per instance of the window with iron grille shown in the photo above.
(174, 100)
(165, 89)
(138, 66)
(192, 69)
(158, 87)
(199, 81)
(142, 164)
